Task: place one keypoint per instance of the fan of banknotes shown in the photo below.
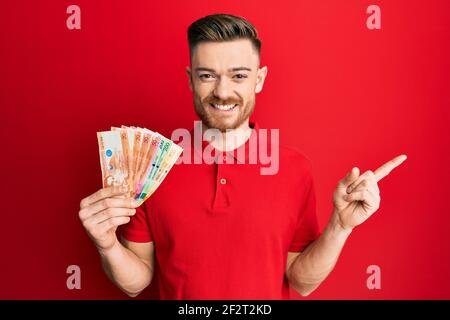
(137, 158)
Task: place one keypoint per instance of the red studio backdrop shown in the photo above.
(345, 95)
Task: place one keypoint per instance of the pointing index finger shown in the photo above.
(386, 168)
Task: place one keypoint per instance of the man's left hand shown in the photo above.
(357, 197)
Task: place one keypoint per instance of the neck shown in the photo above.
(230, 139)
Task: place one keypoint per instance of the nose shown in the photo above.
(223, 90)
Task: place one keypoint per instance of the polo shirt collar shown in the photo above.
(243, 148)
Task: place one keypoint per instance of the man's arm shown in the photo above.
(130, 266)
(306, 270)
(355, 199)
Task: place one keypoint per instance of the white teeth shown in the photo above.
(224, 107)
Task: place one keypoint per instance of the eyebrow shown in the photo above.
(229, 70)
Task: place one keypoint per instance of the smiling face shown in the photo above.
(224, 78)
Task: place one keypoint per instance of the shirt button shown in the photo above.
(223, 181)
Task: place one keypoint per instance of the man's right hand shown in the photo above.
(103, 211)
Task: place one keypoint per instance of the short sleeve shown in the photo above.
(138, 229)
(307, 228)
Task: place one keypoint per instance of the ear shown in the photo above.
(260, 77)
(189, 74)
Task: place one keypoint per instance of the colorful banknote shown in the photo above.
(137, 158)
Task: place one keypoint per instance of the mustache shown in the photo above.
(214, 100)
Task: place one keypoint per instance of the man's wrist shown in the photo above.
(108, 252)
(337, 226)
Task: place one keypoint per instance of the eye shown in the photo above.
(240, 76)
(206, 76)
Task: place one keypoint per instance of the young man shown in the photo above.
(224, 230)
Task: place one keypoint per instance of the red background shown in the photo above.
(344, 95)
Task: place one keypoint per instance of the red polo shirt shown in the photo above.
(223, 231)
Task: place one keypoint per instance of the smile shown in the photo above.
(223, 107)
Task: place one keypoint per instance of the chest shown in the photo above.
(223, 207)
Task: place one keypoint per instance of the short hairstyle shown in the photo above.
(222, 27)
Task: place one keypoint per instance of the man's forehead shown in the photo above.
(225, 55)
